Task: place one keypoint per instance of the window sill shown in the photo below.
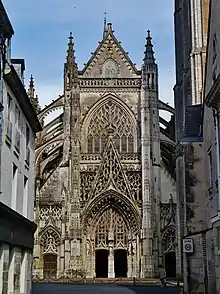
(210, 192)
(8, 141)
(16, 152)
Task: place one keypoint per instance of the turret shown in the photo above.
(31, 94)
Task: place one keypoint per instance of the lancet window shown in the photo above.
(109, 69)
(111, 114)
(169, 239)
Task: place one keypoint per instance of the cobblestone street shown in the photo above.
(99, 289)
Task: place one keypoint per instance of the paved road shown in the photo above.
(101, 289)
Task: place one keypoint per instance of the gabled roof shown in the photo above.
(109, 45)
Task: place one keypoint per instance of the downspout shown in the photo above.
(216, 122)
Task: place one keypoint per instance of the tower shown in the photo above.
(151, 181)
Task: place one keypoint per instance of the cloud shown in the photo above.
(42, 28)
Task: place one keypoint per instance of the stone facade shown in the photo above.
(191, 22)
(105, 187)
(211, 139)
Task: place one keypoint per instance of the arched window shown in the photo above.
(96, 144)
(117, 142)
(110, 113)
(103, 143)
(130, 144)
(50, 241)
(90, 144)
(109, 69)
(124, 144)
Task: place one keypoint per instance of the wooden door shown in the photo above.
(50, 265)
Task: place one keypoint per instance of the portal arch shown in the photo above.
(117, 201)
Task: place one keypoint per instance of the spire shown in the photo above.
(149, 53)
(31, 89)
(31, 94)
(104, 29)
(70, 59)
(70, 67)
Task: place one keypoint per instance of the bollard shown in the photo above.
(94, 280)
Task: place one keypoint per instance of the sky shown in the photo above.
(42, 28)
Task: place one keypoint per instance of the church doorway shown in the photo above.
(120, 261)
(101, 263)
(170, 264)
(50, 265)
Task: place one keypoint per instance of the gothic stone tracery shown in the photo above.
(90, 165)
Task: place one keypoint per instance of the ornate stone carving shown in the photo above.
(87, 180)
(110, 82)
(110, 170)
(169, 239)
(111, 114)
(50, 211)
(50, 241)
(135, 184)
(109, 221)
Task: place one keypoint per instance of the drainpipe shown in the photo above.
(216, 122)
(2, 68)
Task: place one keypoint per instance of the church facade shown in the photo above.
(105, 180)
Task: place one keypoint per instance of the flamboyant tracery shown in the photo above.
(99, 170)
(111, 114)
(111, 222)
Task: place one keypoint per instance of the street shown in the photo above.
(99, 289)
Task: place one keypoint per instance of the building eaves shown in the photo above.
(16, 86)
(19, 61)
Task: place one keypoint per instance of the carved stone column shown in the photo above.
(134, 258)
(93, 273)
(111, 267)
(129, 273)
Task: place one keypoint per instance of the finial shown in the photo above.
(109, 27)
(149, 53)
(31, 89)
(71, 36)
(31, 94)
(105, 21)
(70, 51)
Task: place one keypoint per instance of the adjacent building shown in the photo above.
(105, 194)
(19, 124)
(212, 138)
(191, 26)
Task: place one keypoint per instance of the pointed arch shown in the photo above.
(111, 221)
(50, 240)
(117, 201)
(169, 239)
(110, 110)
